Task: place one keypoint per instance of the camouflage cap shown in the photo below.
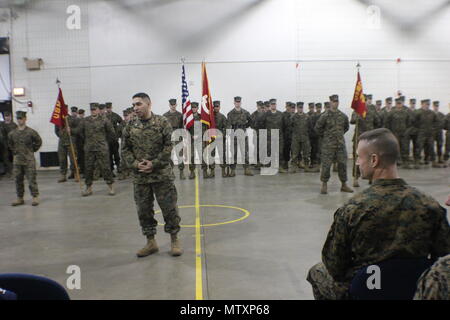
(172, 102)
(318, 105)
(435, 103)
(102, 106)
(74, 109)
(21, 114)
(334, 97)
(273, 101)
(93, 105)
(80, 111)
(259, 103)
(326, 104)
(389, 99)
(311, 105)
(300, 104)
(399, 99)
(368, 96)
(266, 103)
(194, 104)
(237, 99)
(288, 103)
(126, 112)
(402, 98)
(108, 105)
(412, 100)
(425, 101)
(7, 113)
(379, 102)
(216, 103)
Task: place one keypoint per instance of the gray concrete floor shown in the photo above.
(265, 256)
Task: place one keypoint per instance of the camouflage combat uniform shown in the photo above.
(388, 220)
(7, 152)
(434, 283)
(222, 126)
(96, 132)
(438, 135)
(23, 144)
(333, 125)
(257, 118)
(176, 121)
(301, 126)
(425, 121)
(399, 121)
(287, 137)
(275, 121)
(314, 138)
(113, 141)
(447, 137)
(151, 140)
(383, 115)
(239, 120)
(197, 143)
(64, 144)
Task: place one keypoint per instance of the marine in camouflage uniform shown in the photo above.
(301, 127)
(149, 138)
(439, 131)
(385, 111)
(176, 121)
(399, 121)
(276, 120)
(96, 131)
(222, 126)
(333, 124)
(425, 120)
(388, 220)
(371, 121)
(124, 170)
(64, 149)
(24, 142)
(287, 139)
(434, 283)
(256, 125)
(197, 143)
(113, 143)
(7, 127)
(239, 118)
(313, 135)
(447, 139)
(80, 144)
(412, 131)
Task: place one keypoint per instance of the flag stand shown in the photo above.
(72, 149)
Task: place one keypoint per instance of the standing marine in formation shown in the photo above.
(176, 120)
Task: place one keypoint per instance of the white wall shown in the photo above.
(251, 46)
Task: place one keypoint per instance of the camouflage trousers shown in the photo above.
(243, 147)
(330, 154)
(301, 149)
(413, 139)
(323, 285)
(28, 171)
(439, 142)
(100, 159)
(282, 162)
(447, 145)
(114, 156)
(425, 143)
(403, 141)
(197, 148)
(222, 151)
(315, 147)
(181, 162)
(80, 156)
(166, 196)
(287, 149)
(64, 152)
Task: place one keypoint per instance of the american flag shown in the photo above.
(188, 118)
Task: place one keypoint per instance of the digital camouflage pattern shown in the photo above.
(176, 121)
(447, 136)
(399, 122)
(96, 131)
(151, 140)
(6, 153)
(64, 144)
(23, 144)
(222, 126)
(332, 125)
(434, 283)
(287, 136)
(388, 220)
(197, 143)
(315, 138)
(439, 133)
(275, 121)
(301, 126)
(113, 141)
(239, 120)
(425, 121)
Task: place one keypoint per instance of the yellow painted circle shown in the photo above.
(245, 216)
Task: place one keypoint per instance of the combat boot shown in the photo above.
(182, 177)
(212, 173)
(232, 172)
(111, 191)
(121, 176)
(445, 164)
(301, 165)
(406, 165)
(19, 201)
(176, 249)
(87, 192)
(417, 164)
(248, 172)
(205, 174)
(346, 188)
(311, 168)
(224, 173)
(440, 161)
(355, 183)
(192, 174)
(282, 170)
(293, 168)
(35, 201)
(435, 165)
(62, 178)
(150, 248)
(71, 176)
(324, 188)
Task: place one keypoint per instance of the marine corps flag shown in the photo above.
(207, 111)
(359, 101)
(60, 112)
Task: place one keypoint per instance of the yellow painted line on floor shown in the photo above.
(198, 244)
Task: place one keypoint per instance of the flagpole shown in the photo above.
(355, 143)
(72, 149)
